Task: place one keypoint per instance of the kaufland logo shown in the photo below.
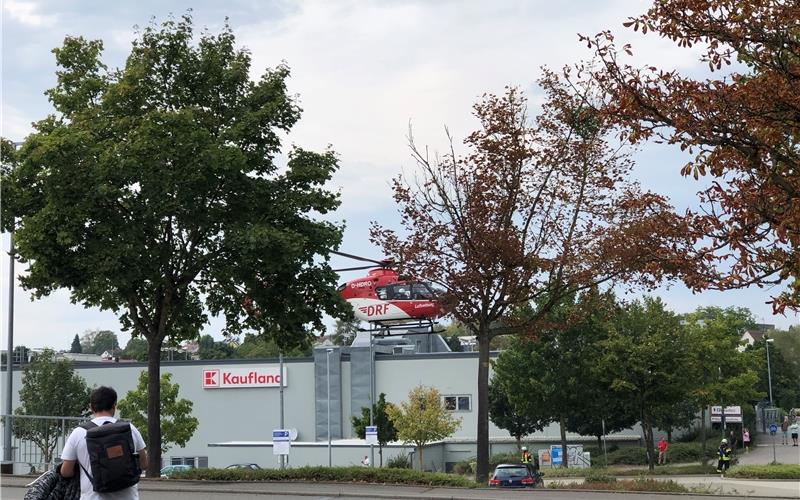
(210, 378)
(242, 377)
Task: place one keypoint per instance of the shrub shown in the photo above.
(599, 476)
(398, 462)
(597, 452)
(689, 452)
(468, 466)
(629, 455)
(779, 471)
(625, 485)
(332, 474)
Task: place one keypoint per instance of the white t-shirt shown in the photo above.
(75, 449)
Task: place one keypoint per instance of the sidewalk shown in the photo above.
(761, 454)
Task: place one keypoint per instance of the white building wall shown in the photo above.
(250, 414)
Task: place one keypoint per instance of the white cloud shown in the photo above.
(15, 124)
(27, 13)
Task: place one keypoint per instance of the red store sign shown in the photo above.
(232, 378)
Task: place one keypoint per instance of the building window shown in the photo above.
(196, 462)
(457, 403)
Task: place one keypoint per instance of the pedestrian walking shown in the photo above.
(793, 429)
(785, 430)
(746, 439)
(724, 455)
(662, 451)
(107, 454)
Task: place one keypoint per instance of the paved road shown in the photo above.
(13, 489)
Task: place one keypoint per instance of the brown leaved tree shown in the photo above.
(741, 124)
(531, 213)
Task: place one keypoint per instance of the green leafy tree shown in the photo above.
(153, 192)
(211, 349)
(380, 417)
(50, 387)
(177, 423)
(550, 377)
(506, 416)
(678, 415)
(105, 341)
(454, 343)
(725, 375)
(255, 347)
(136, 348)
(647, 357)
(422, 418)
(76, 345)
(345, 331)
(783, 371)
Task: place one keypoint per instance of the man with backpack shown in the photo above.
(108, 454)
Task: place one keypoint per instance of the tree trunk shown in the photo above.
(482, 466)
(703, 435)
(562, 423)
(380, 454)
(421, 465)
(519, 444)
(648, 435)
(154, 406)
(600, 443)
(669, 435)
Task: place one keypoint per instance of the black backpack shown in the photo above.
(112, 457)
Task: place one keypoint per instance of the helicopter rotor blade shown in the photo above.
(359, 268)
(356, 257)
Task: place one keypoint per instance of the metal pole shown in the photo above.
(769, 372)
(774, 460)
(605, 449)
(9, 354)
(280, 371)
(371, 398)
(328, 368)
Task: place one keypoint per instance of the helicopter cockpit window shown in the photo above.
(421, 291)
(402, 292)
(381, 292)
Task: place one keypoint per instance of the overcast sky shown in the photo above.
(363, 71)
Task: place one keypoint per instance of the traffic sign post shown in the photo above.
(773, 428)
(281, 441)
(371, 434)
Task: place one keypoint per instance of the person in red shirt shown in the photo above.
(662, 451)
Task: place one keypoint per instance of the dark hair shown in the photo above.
(102, 399)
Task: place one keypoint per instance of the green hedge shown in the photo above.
(628, 455)
(625, 485)
(468, 466)
(689, 452)
(333, 474)
(780, 471)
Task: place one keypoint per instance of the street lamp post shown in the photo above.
(328, 369)
(9, 354)
(283, 425)
(769, 370)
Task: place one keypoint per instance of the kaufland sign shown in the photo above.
(232, 378)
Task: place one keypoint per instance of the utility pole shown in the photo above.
(280, 371)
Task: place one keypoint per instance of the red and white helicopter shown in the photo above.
(390, 301)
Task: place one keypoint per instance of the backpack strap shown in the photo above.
(89, 425)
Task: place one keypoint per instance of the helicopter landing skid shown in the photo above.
(402, 329)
